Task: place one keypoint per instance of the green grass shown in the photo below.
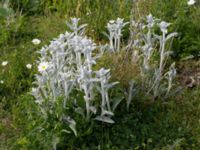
(173, 124)
(159, 125)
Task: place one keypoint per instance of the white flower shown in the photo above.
(34, 91)
(29, 66)
(191, 2)
(88, 13)
(36, 41)
(112, 21)
(2, 82)
(4, 63)
(43, 66)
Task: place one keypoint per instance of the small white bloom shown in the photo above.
(36, 41)
(2, 82)
(43, 66)
(191, 2)
(29, 66)
(34, 89)
(112, 21)
(88, 13)
(4, 63)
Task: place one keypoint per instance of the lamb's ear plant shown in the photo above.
(104, 86)
(153, 55)
(66, 70)
(115, 28)
(163, 54)
(130, 94)
(67, 85)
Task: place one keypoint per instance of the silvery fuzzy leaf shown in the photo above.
(62, 37)
(119, 20)
(163, 26)
(150, 20)
(65, 131)
(102, 72)
(91, 61)
(82, 26)
(94, 80)
(173, 69)
(84, 73)
(55, 141)
(68, 88)
(133, 23)
(156, 72)
(104, 119)
(75, 20)
(107, 35)
(172, 74)
(110, 85)
(157, 37)
(82, 32)
(188, 57)
(106, 112)
(111, 27)
(130, 93)
(98, 55)
(43, 111)
(70, 26)
(41, 80)
(125, 24)
(98, 88)
(38, 101)
(55, 44)
(136, 42)
(93, 109)
(43, 51)
(73, 127)
(169, 36)
(168, 53)
(72, 124)
(116, 102)
(80, 111)
(68, 34)
(64, 76)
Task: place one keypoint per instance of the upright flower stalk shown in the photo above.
(115, 32)
(148, 44)
(66, 65)
(67, 80)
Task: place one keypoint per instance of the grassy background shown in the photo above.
(173, 124)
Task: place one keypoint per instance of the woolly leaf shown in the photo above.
(104, 119)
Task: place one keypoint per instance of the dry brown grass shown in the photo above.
(122, 68)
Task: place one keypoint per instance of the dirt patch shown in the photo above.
(189, 73)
